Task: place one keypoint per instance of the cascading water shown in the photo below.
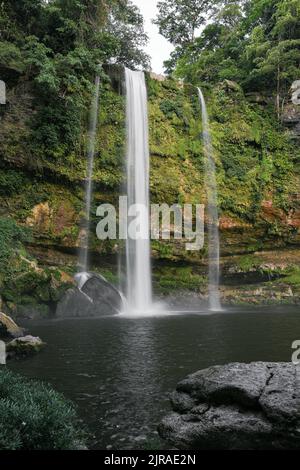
(84, 245)
(138, 265)
(212, 205)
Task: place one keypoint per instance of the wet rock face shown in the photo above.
(96, 297)
(54, 220)
(236, 406)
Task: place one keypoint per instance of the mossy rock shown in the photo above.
(24, 346)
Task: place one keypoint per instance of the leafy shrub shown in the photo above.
(168, 107)
(293, 276)
(11, 237)
(10, 55)
(35, 417)
(181, 278)
(11, 182)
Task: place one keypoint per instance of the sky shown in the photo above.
(158, 48)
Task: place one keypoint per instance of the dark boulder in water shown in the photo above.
(93, 297)
(236, 406)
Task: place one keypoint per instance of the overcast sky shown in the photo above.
(158, 48)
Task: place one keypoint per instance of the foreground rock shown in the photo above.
(236, 406)
(93, 297)
(25, 346)
(8, 328)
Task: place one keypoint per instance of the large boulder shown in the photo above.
(25, 346)
(93, 297)
(8, 328)
(236, 406)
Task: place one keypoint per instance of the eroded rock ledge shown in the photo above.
(236, 406)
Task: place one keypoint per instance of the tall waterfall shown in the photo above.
(84, 246)
(213, 218)
(138, 265)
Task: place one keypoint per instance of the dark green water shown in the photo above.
(119, 370)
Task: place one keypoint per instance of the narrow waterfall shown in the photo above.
(138, 264)
(213, 217)
(85, 228)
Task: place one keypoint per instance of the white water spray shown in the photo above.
(213, 217)
(138, 264)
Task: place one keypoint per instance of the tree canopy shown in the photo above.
(58, 45)
(178, 21)
(254, 42)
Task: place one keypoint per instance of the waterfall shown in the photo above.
(212, 205)
(84, 245)
(138, 265)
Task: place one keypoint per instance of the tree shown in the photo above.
(214, 53)
(254, 42)
(126, 24)
(178, 20)
(273, 48)
(58, 46)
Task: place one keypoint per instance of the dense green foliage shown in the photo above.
(11, 238)
(22, 282)
(254, 42)
(59, 46)
(35, 417)
(179, 20)
(49, 55)
(255, 159)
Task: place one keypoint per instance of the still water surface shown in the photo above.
(120, 370)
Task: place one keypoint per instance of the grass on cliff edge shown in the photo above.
(35, 417)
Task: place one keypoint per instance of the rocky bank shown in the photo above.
(236, 406)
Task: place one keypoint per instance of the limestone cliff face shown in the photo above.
(257, 164)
